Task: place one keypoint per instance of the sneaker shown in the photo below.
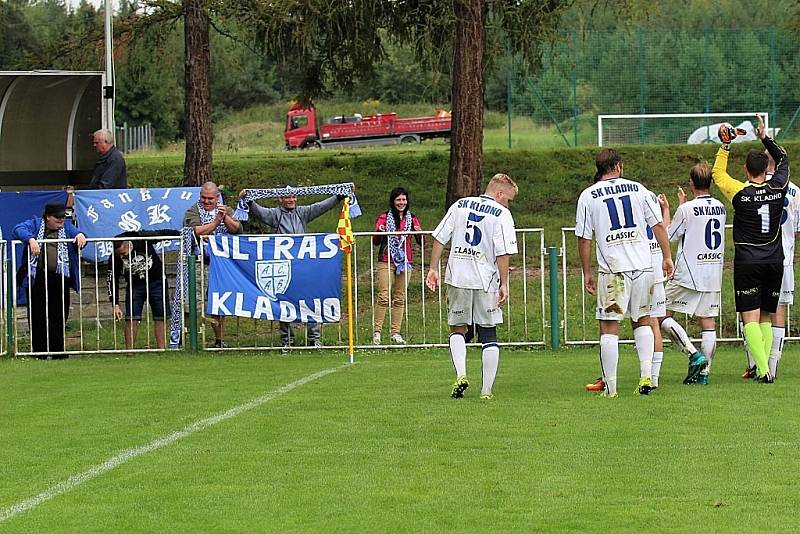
(697, 363)
(376, 338)
(645, 386)
(397, 338)
(764, 379)
(605, 395)
(285, 348)
(749, 373)
(486, 397)
(459, 387)
(598, 385)
(702, 380)
(219, 344)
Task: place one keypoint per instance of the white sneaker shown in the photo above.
(376, 338)
(397, 338)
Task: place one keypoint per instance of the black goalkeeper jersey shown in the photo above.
(758, 208)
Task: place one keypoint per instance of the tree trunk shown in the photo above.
(465, 175)
(197, 103)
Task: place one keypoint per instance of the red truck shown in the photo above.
(303, 131)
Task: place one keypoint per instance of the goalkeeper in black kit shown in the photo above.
(758, 250)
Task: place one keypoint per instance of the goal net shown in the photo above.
(673, 128)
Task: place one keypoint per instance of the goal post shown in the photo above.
(673, 128)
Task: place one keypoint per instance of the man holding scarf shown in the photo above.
(209, 217)
(51, 269)
(289, 218)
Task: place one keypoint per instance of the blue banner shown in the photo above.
(109, 212)
(21, 206)
(24, 205)
(278, 278)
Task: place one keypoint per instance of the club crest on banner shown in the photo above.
(273, 277)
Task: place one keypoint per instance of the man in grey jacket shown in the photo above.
(289, 218)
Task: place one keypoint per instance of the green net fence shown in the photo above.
(586, 74)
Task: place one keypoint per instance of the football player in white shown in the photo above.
(616, 212)
(699, 228)
(482, 236)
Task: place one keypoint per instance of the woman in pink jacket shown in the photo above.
(394, 261)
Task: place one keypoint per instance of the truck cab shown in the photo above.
(301, 127)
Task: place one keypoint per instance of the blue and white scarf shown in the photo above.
(242, 212)
(188, 246)
(62, 252)
(208, 216)
(397, 243)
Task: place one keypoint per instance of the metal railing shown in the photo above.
(579, 326)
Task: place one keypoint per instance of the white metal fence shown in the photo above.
(579, 326)
(91, 326)
(134, 138)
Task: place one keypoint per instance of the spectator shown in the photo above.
(49, 277)
(109, 171)
(142, 267)
(289, 218)
(210, 216)
(394, 261)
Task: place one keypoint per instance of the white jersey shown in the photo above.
(657, 256)
(480, 229)
(618, 212)
(790, 222)
(699, 228)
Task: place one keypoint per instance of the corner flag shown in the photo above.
(344, 229)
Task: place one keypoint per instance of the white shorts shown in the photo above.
(695, 303)
(658, 304)
(621, 294)
(472, 306)
(787, 285)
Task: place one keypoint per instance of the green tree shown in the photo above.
(336, 43)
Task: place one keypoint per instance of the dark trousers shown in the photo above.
(47, 314)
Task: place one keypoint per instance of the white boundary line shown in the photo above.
(129, 454)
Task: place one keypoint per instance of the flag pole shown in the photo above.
(350, 306)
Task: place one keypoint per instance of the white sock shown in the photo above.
(609, 356)
(645, 342)
(778, 332)
(658, 357)
(750, 361)
(458, 354)
(491, 359)
(678, 335)
(708, 346)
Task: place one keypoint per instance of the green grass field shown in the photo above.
(379, 446)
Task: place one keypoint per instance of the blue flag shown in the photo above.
(18, 207)
(109, 212)
(278, 278)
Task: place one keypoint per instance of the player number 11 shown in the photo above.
(613, 214)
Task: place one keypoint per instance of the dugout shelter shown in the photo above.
(47, 119)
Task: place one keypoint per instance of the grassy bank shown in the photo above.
(550, 179)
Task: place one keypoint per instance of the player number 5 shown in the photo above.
(473, 235)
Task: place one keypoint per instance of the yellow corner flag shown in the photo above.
(346, 242)
(344, 229)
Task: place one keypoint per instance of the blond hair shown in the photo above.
(502, 181)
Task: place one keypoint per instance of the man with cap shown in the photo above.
(289, 218)
(50, 270)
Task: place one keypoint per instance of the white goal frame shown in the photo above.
(675, 116)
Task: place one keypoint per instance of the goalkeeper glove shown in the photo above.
(728, 133)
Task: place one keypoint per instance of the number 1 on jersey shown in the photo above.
(764, 212)
(627, 212)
